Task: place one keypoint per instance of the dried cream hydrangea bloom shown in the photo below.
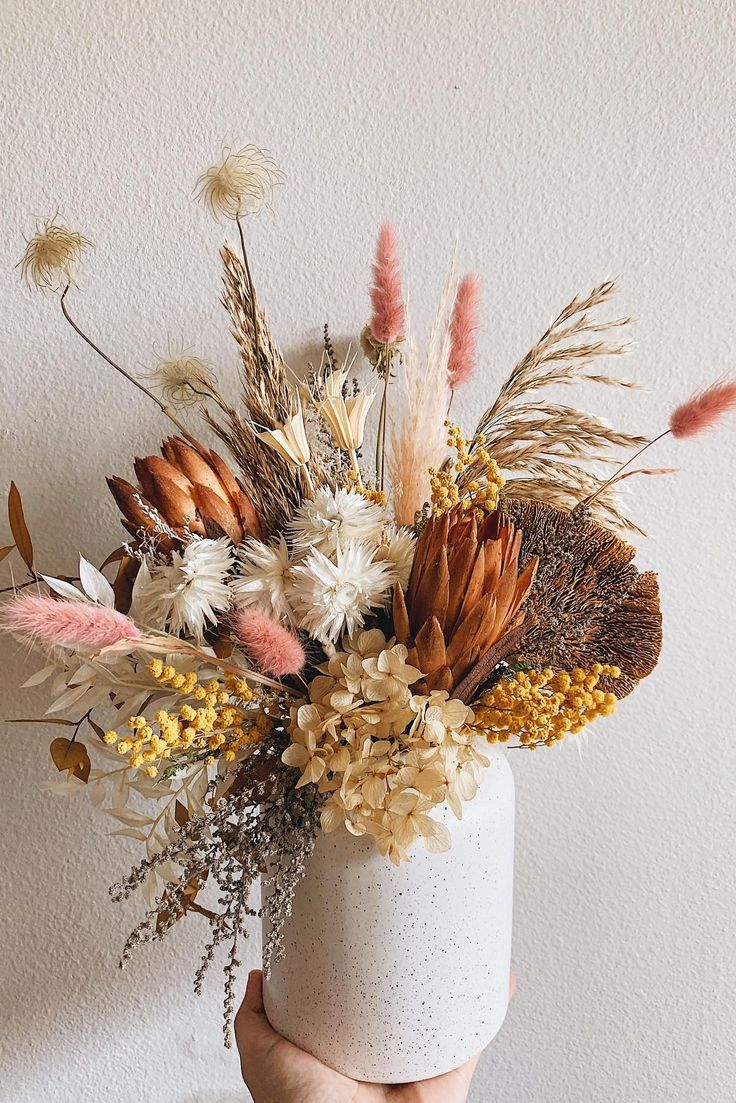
(386, 757)
(240, 184)
(51, 256)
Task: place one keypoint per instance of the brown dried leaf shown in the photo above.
(113, 557)
(6, 551)
(18, 526)
(99, 732)
(72, 756)
(42, 720)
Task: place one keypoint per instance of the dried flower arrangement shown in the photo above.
(303, 639)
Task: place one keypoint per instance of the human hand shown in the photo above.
(276, 1071)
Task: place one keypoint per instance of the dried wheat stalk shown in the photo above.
(268, 400)
(549, 443)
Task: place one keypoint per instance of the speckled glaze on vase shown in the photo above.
(399, 974)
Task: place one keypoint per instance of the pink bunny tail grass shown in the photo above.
(703, 410)
(65, 623)
(463, 324)
(276, 650)
(388, 320)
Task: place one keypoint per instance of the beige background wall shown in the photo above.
(565, 143)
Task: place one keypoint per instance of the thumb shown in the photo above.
(253, 999)
(253, 1031)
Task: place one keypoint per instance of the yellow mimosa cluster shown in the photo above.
(480, 494)
(541, 707)
(212, 724)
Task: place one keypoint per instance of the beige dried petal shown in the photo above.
(290, 441)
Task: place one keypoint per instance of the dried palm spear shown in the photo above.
(189, 487)
(464, 599)
(589, 603)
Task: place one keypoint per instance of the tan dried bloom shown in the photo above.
(385, 756)
(240, 184)
(289, 440)
(345, 416)
(184, 380)
(51, 256)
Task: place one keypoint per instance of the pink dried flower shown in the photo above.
(66, 623)
(389, 319)
(703, 410)
(275, 649)
(463, 324)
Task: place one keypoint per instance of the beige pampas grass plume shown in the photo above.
(51, 256)
(419, 434)
(240, 184)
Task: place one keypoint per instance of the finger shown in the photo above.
(470, 1066)
(512, 985)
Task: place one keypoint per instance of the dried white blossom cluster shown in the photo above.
(186, 594)
(386, 757)
(344, 561)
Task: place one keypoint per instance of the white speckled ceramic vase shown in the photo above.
(398, 974)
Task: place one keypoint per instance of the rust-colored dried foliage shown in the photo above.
(464, 598)
(189, 487)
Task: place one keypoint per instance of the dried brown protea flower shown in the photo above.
(190, 489)
(589, 602)
(463, 599)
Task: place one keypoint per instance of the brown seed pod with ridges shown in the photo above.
(589, 602)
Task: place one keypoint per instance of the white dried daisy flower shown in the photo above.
(334, 517)
(397, 551)
(261, 578)
(331, 598)
(184, 380)
(240, 184)
(186, 595)
(51, 256)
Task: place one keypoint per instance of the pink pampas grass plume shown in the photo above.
(275, 649)
(463, 324)
(703, 410)
(66, 623)
(388, 318)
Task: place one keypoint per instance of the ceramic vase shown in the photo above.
(395, 974)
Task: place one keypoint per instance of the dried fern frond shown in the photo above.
(268, 401)
(552, 445)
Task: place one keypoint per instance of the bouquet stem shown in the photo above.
(131, 378)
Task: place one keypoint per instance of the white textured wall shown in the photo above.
(565, 143)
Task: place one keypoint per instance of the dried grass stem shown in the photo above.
(131, 378)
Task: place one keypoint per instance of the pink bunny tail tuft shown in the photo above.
(275, 649)
(703, 410)
(463, 324)
(388, 320)
(66, 623)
